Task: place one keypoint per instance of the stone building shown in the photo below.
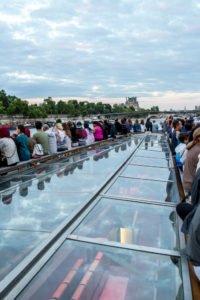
(132, 102)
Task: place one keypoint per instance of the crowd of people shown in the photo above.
(21, 146)
(185, 145)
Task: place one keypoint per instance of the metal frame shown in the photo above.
(159, 251)
(131, 177)
(137, 164)
(16, 281)
(108, 186)
(142, 200)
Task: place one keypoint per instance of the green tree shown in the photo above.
(61, 107)
(99, 108)
(18, 106)
(4, 99)
(107, 108)
(155, 108)
(50, 106)
(2, 108)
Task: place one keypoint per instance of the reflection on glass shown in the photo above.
(144, 189)
(147, 146)
(37, 210)
(150, 161)
(131, 223)
(148, 172)
(83, 271)
(14, 246)
(154, 154)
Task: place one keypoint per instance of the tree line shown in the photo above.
(12, 105)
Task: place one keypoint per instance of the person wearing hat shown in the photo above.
(191, 160)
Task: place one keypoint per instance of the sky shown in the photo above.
(102, 50)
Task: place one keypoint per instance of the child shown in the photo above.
(181, 151)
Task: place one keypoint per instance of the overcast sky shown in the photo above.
(102, 50)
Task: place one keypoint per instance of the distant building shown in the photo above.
(132, 102)
(197, 107)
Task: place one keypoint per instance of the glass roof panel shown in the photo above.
(32, 208)
(85, 271)
(150, 161)
(147, 146)
(14, 246)
(149, 172)
(154, 154)
(131, 223)
(144, 189)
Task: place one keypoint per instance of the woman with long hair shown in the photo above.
(143, 127)
(68, 134)
(22, 143)
(97, 130)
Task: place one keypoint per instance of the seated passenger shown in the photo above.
(81, 134)
(68, 135)
(148, 125)
(124, 127)
(137, 126)
(154, 126)
(41, 137)
(143, 127)
(52, 143)
(118, 127)
(32, 142)
(22, 143)
(60, 137)
(97, 130)
(8, 149)
(90, 135)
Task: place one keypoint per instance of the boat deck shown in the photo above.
(97, 225)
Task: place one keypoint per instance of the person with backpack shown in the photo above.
(41, 137)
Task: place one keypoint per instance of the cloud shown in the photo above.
(124, 48)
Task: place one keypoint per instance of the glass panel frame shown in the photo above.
(129, 231)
